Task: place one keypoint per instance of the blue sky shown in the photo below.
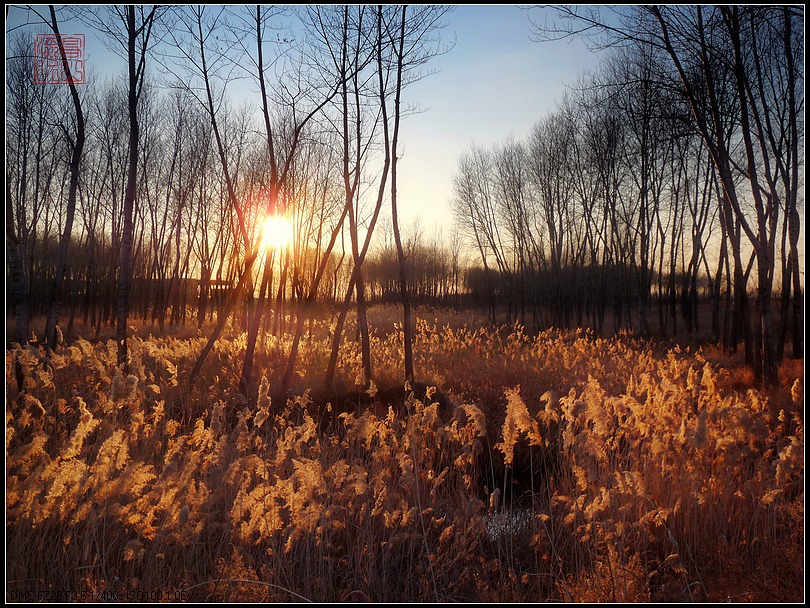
(493, 83)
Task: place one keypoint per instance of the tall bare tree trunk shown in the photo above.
(19, 279)
(793, 189)
(797, 332)
(303, 310)
(75, 161)
(403, 280)
(136, 68)
(253, 332)
(765, 361)
(255, 321)
(125, 257)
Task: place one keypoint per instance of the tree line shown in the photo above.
(146, 194)
(679, 162)
(671, 176)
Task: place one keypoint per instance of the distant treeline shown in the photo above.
(671, 176)
(161, 299)
(678, 162)
(121, 193)
(602, 298)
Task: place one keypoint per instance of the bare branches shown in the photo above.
(733, 70)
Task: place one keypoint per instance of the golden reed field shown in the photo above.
(560, 467)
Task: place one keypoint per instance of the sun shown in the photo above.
(277, 232)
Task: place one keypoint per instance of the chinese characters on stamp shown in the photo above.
(49, 68)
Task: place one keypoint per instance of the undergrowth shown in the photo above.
(567, 468)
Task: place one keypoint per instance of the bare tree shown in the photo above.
(736, 69)
(412, 44)
(32, 152)
(76, 147)
(475, 213)
(132, 38)
(282, 144)
(345, 35)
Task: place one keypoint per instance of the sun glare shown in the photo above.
(277, 232)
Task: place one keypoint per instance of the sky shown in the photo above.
(494, 82)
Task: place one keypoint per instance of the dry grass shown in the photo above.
(571, 468)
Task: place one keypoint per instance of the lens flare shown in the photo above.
(277, 232)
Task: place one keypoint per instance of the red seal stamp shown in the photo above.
(49, 67)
